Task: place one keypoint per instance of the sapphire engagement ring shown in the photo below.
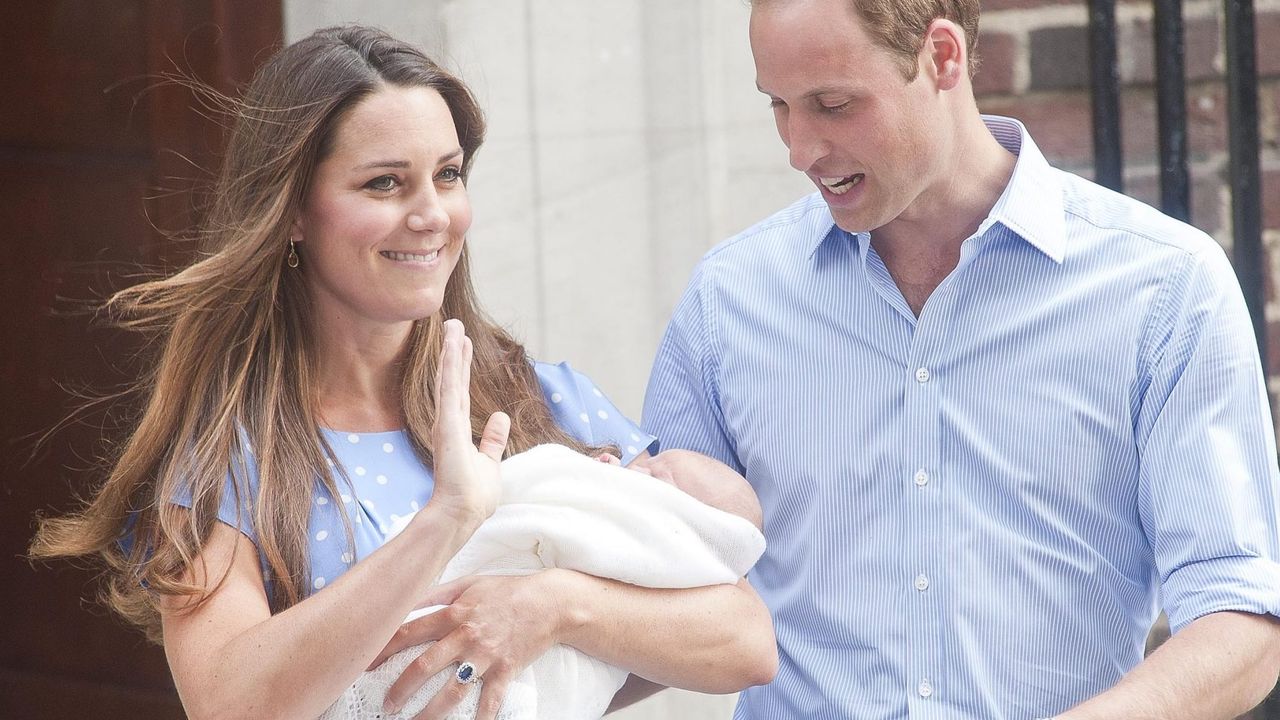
(466, 674)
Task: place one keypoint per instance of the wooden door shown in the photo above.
(85, 136)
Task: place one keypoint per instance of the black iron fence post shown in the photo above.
(1245, 171)
(1105, 94)
(1171, 110)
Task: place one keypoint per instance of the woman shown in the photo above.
(243, 522)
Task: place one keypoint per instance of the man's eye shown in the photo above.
(383, 183)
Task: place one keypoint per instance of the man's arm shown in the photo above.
(1207, 500)
(1219, 666)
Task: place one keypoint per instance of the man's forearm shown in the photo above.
(1219, 666)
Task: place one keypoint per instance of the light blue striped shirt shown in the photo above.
(976, 514)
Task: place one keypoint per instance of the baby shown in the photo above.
(682, 520)
(706, 480)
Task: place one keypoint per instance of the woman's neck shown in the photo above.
(358, 376)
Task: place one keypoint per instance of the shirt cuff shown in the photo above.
(1242, 583)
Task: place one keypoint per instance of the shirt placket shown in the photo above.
(922, 569)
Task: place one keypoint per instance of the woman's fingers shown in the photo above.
(432, 660)
(448, 593)
(467, 350)
(453, 389)
(493, 442)
(425, 629)
(492, 692)
(492, 688)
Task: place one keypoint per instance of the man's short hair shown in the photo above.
(899, 25)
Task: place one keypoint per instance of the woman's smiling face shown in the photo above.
(386, 215)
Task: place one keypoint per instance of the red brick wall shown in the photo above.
(1035, 67)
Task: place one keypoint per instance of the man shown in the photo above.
(996, 415)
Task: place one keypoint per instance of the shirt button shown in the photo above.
(922, 582)
(925, 688)
(922, 477)
(922, 375)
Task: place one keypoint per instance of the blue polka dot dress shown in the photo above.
(386, 482)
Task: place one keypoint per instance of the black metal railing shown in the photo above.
(1171, 110)
(1104, 85)
(1171, 93)
(1245, 166)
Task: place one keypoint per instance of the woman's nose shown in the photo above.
(429, 216)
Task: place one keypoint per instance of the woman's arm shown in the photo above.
(715, 639)
(230, 657)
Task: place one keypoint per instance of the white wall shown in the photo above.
(626, 137)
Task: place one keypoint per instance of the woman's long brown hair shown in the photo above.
(236, 363)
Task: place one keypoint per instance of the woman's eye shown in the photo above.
(384, 183)
(450, 174)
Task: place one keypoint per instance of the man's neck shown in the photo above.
(922, 246)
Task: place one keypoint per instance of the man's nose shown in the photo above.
(806, 143)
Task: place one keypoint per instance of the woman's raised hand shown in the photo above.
(467, 481)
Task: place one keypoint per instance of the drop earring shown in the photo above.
(292, 258)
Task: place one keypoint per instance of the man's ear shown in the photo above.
(945, 55)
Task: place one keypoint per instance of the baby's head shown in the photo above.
(705, 479)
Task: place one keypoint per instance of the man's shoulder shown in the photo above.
(1108, 215)
(793, 229)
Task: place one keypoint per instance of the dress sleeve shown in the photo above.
(583, 411)
(1209, 487)
(682, 402)
(239, 496)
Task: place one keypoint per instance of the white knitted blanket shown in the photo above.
(564, 510)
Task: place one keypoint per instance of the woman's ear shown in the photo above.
(946, 55)
(295, 231)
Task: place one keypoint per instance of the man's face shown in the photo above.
(851, 120)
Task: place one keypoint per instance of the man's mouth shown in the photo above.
(841, 185)
(413, 257)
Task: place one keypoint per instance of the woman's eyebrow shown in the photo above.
(402, 164)
(384, 164)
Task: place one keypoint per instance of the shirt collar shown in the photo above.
(1031, 204)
